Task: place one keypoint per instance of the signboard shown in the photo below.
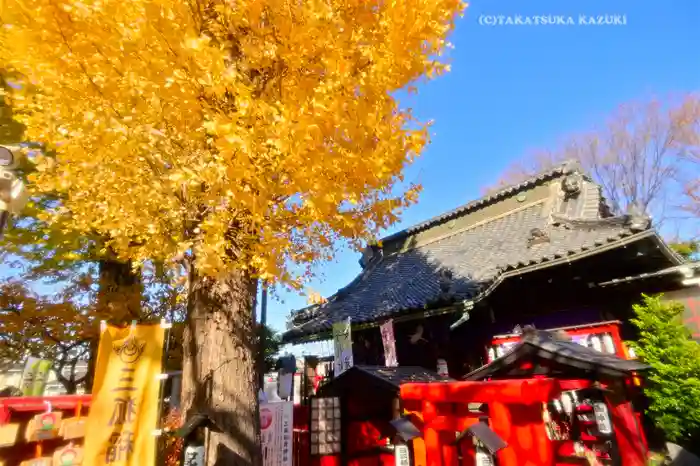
(483, 458)
(401, 455)
(597, 337)
(124, 408)
(276, 427)
(342, 342)
(389, 343)
(298, 381)
(602, 418)
(194, 456)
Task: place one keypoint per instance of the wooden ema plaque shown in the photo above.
(72, 428)
(37, 462)
(35, 429)
(43, 426)
(68, 456)
(8, 435)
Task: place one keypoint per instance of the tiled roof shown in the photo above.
(472, 259)
(500, 194)
(396, 376)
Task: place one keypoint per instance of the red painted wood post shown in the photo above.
(433, 449)
(501, 423)
(627, 432)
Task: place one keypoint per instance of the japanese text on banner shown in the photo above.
(276, 424)
(124, 410)
(387, 331)
(342, 340)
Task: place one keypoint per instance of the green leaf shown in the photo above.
(673, 383)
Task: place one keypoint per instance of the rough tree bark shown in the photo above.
(119, 297)
(219, 370)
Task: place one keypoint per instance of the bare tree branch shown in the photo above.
(690, 137)
(643, 155)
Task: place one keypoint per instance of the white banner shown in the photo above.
(402, 456)
(194, 456)
(270, 387)
(276, 427)
(286, 381)
(342, 342)
(387, 331)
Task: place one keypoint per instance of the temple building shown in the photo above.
(545, 253)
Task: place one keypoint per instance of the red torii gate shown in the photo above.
(514, 412)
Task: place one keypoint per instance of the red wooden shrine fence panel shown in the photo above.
(20, 410)
(514, 411)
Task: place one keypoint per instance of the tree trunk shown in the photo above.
(70, 383)
(71, 387)
(118, 300)
(121, 291)
(219, 370)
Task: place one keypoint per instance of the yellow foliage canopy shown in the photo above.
(38, 326)
(247, 133)
(46, 325)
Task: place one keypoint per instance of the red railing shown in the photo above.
(19, 410)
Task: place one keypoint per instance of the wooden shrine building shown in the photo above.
(544, 253)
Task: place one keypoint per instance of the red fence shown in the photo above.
(19, 410)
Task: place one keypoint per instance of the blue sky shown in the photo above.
(517, 88)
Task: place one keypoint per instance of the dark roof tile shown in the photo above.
(395, 376)
(475, 256)
(569, 166)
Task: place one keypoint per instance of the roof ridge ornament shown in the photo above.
(371, 254)
(636, 218)
(571, 166)
(537, 236)
(572, 185)
(569, 223)
(445, 280)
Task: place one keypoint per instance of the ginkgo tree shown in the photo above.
(240, 139)
(10, 129)
(34, 249)
(57, 329)
(62, 325)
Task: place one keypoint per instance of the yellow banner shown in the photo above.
(124, 408)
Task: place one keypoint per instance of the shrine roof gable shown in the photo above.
(554, 217)
(390, 378)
